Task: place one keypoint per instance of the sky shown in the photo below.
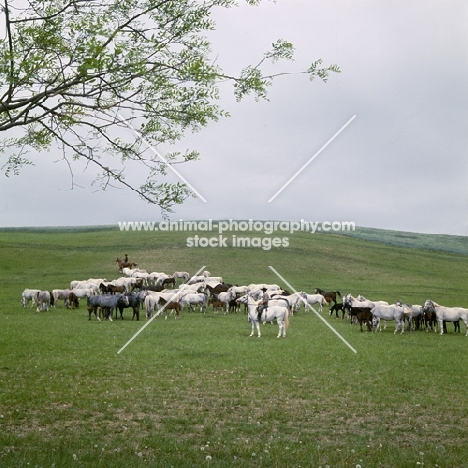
(400, 163)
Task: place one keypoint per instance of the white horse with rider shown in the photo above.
(268, 314)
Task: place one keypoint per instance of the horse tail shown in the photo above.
(338, 292)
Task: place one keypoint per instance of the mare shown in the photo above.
(389, 312)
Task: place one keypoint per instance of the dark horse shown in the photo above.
(123, 264)
(361, 314)
(328, 295)
(166, 281)
(336, 308)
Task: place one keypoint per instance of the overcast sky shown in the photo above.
(401, 163)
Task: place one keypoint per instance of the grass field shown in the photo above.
(198, 392)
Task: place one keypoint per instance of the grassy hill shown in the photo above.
(198, 391)
(438, 242)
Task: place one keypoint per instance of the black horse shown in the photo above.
(336, 308)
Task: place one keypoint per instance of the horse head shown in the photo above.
(347, 301)
(429, 306)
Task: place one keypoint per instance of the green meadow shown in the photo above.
(199, 392)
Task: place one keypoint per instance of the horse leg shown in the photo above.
(398, 325)
(466, 326)
(441, 326)
(280, 327)
(255, 325)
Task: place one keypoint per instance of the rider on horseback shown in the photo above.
(262, 305)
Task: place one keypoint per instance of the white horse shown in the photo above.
(293, 300)
(181, 274)
(43, 300)
(62, 294)
(239, 289)
(411, 313)
(214, 279)
(280, 313)
(312, 299)
(194, 299)
(226, 297)
(361, 298)
(351, 301)
(29, 295)
(447, 314)
(81, 293)
(389, 312)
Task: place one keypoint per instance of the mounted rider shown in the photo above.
(262, 305)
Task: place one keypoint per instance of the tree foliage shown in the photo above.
(74, 72)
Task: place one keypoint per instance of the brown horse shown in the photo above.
(217, 305)
(123, 264)
(329, 296)
(171, 280)
(362, 314)
(175, 306)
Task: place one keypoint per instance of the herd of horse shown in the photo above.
(430, 316)
(135, 290)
